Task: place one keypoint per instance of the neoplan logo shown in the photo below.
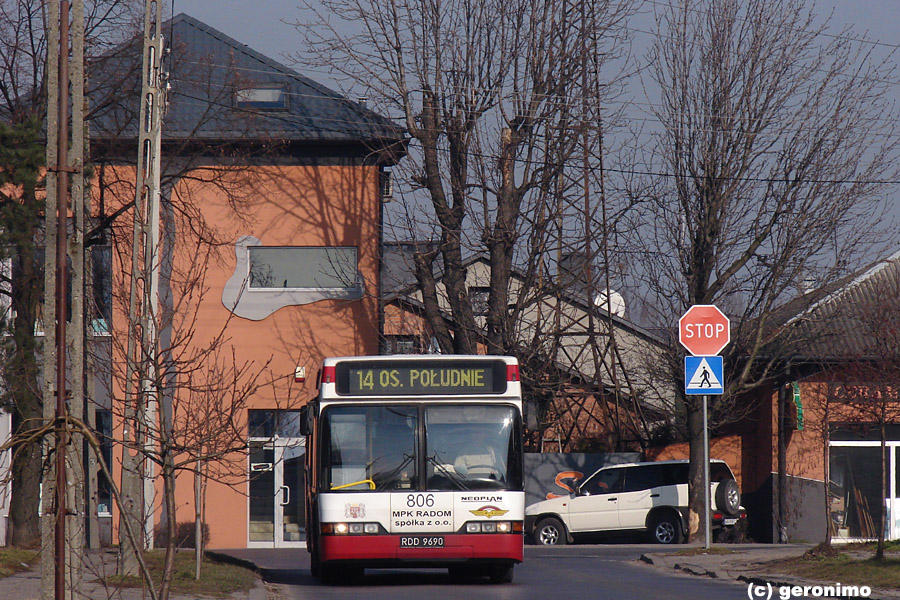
(489, 511)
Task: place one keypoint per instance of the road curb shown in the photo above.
(232, 560)
(259, 590)
(768, 582)
(695, 570)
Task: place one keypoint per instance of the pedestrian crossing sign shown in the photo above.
(703, 375)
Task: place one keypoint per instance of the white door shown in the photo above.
(643, 489)
(276, 494)
(595, 508)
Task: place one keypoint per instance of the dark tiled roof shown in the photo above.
(206, 68)
(404, 293)
(834, 323)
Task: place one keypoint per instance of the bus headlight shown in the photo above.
(493, 527)
(351, 528)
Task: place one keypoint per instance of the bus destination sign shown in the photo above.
(420, 377)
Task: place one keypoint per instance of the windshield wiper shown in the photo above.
(389, 478)
(451, 475)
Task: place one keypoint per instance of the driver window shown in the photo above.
(607, 481)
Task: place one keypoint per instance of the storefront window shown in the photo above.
(855, 496)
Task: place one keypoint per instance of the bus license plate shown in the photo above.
(422, 541)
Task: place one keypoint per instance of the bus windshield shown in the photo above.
(465, 447)
(472, 448)
(370, 448)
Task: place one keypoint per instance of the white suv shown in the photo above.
(648, 496)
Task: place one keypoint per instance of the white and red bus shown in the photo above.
(415, 461)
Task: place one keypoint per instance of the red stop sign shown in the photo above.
(704, 330)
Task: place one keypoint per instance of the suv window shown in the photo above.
(676, 474)
(644, 477)
(719, 472)
(607, 481)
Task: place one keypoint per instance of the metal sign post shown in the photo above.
(707, 528)
(704, 330)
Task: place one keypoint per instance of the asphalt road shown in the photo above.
(580, 572)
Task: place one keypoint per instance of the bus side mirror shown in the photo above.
(306, 418)
(531, 412)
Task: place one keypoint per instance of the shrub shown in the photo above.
(184, 535)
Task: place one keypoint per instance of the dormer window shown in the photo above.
(270, 97)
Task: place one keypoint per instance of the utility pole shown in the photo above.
(65, 72)
(141, 383)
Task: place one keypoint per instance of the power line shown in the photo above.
(495, 157)
(839, 37)
(612, 106)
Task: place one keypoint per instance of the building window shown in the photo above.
(479, 296)
(104, 434)
(386, 185)
(6, 314)
(101, 273)
(302, 268)
(402, 344)
(267, 278)
(271, 423)
(11, 272)
(271, 97)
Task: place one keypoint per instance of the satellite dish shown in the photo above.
(615, 303)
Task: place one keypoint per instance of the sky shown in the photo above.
(260, 23)
(264, 26)
(257, 23)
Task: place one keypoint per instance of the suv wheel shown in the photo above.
(728, 497)
(550, 532)
(666, 529)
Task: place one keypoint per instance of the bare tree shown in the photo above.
(504, 103)
(23, 49)
(204, 391)
(776, 144)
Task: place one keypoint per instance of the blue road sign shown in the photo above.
(703, 375)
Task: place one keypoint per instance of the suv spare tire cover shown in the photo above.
(728, 496)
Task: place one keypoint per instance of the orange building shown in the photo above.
(270, 240)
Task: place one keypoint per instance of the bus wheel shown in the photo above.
(339, 574)
(461, 572)
(502, 574)
(315, 565)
